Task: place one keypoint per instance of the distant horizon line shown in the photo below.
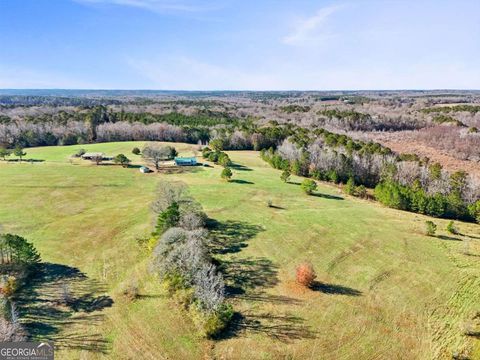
(237, 90)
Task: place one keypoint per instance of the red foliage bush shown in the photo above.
(306, 274)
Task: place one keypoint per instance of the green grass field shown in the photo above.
(385, 291)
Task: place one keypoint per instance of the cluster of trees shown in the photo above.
(16, 250)
(219, 157)
(18, 258)
(182, 260)
(155, 154)
(428, 189)
(330, 157)
(216, 154)
(28, 134)
(352, 120)
(39, 100)
(294, 108)
(125, 131)
(18, 152)
(416, 185)
(446, 119)
(458, 142)
(99, 123)
(456, 108)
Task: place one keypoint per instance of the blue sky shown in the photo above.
(238, 45)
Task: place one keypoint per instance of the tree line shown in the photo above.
(403, 182)
(183, 262)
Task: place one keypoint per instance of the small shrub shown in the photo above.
(350, 187)
(361, 191)
(130, 291)
(285, 177)
(305, 274)
(79, 153)
(136, 151)
(431, 228)
(309, 186)
(211, 324)
(226, 174)
(10, 286)
(451, 228)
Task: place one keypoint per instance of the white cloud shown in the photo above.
(159, 6)
(307, 30)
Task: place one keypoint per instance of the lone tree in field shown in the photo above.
(226, 174)
(451, 228)
(431, 227)
(136, 151)
(309, 186)
(305, 274)
(18, 152)
(121, 160)
(156, 154)
(4, 153)
(97, 159)
(285, 177)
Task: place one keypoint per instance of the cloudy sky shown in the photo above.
(240, 44)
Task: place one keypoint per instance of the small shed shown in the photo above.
(145, 170)
(185, 161)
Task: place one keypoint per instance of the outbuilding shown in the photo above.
(145, 170)
(185, 161)
(93, 155)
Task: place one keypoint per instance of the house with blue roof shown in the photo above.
(185, 161)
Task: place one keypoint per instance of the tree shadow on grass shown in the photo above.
(230, 236)
(240, 167)
(327, 196)
(334, 289)
(25, 160)
(247, 278)
(239, 181)
(242, 275)
(277, 207)
(469, 236)
(446, 237)
(285, 328)
(47, 316)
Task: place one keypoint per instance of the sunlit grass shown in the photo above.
(385, 290)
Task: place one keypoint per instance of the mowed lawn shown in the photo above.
(384, 291)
